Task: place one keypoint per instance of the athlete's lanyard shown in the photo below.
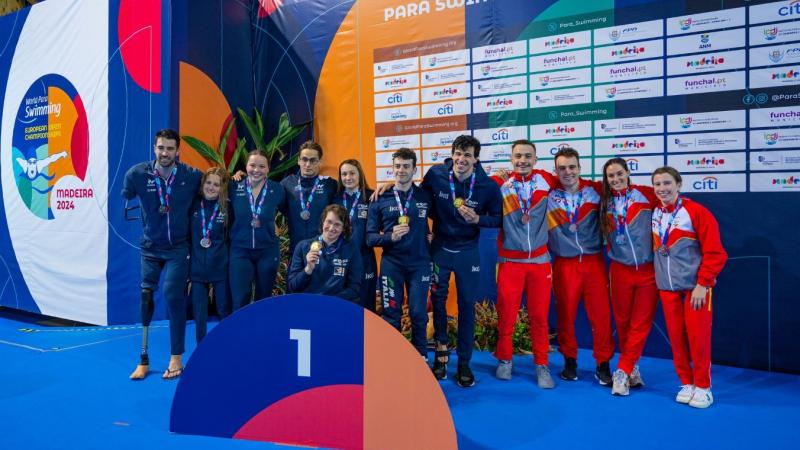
(573, 208)
(453, 189)
(355, 202)
(664, 232)
(519, 188)
(207, 230)
(163, 198)
(332, 248)
(306, 205)
(404, 209)
(620, 219)
(255, 209)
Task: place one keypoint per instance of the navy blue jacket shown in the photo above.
(163, 231)
(449, 227)
(300, 229)
(338, 273)
(242, 234)
(359, 218)
(413, 249)
(209, 264)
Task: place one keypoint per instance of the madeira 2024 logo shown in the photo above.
(50, 141)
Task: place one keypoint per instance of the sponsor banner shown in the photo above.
(500, 103)
(394, 67)
(549, 149)
(385, 158)
(397, 113)
(396, 98)
(706, 42)
(561, 130)
(706, 121)
(775, 76)
(445, 92)
(629, 126)
(629, 71)
(560, 79)
(451, 75)
(555, 61)
(709, 162)
(775, 182)
(499, 86)
(384, 174)
(396, 82)
(445, 109)
(776, 54)
(395, 142)
(492, 167)
(638, 165)
(561, 42)
(629, 32)
(629, 145)
(775, 138)
(769, 117)
(705, 142)
(774, 33)
(454, 58)
(629, 52)
(499, 51)
(441, 139)
(726, 18)
(501, 135)
(700, 84)
(499, 68)
(773, 12)
(708, 62)
(435, 156)
(628, 91)
(561, 97)
(729, 182)
(501, 152)
(785, 160)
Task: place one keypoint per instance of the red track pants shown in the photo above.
(634, 298)
(535, 280)
(690, 336)
(573, 279)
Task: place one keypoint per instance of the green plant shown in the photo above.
(216, 156)
(286, 132)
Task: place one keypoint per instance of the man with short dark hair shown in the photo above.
(166, 189)
(398, 222)
(465, 200)
(308, 193)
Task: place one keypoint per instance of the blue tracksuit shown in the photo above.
(455, 247)
(300, 229)
(164, 243)
(255, 252)
(338, 273)
(208, 265)
(405, 263)
(358, 219)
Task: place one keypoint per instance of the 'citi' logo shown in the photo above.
(633, 164)
(686, 122)
(500, 135)
(791, 9)
(706, 184)
(554, 150)
(395, 99)
(446, 109)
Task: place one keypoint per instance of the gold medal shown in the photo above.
(402, 220)
(316, 246)
(458, 202)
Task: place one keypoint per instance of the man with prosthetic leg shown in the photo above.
(166, 189)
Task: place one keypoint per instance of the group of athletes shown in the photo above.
(220, 232)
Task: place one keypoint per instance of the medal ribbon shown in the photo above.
(163, 198)
(207, 230)
(355, 202)
(404, 210)
(306, 205)
(573, 208)
(328, 249)
(518, 188)
(255, 210)
(620, 220)
(664, 233)
(453, 186)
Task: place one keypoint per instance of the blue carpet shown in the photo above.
(68, 388)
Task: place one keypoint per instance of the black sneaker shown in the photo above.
(464, 376)
(570, 372)
(439, 369)
(603, 374)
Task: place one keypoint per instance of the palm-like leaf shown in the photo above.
(223, 142)
(205, 150)
(255, 131)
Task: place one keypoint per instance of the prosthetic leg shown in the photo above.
(148, 307)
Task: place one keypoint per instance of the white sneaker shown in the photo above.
(621, 384)
(702, 398)
(685, 394)
(636, 378)
(543, 378)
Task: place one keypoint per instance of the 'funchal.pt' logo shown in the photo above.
(50, 142)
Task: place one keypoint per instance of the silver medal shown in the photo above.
(205, 242)
(305, 214)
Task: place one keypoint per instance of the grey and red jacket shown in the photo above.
(586, 240)
(637, 247)
(517, 241)
(694, 249)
